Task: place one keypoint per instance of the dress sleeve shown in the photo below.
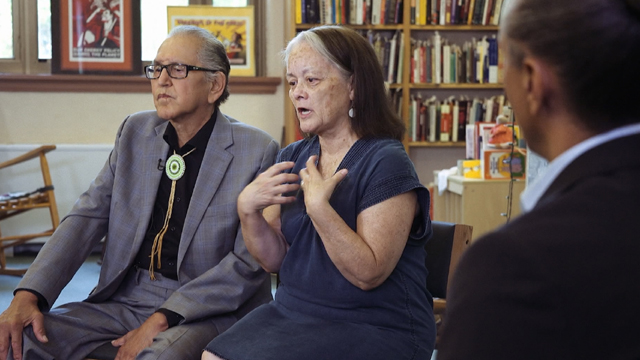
(392, 173)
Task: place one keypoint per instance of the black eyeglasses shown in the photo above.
(175, 71)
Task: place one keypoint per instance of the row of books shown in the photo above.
(435, 61)
(456, 12)
(379, 12)
(390, 53)
(434, 120)
(353, 12)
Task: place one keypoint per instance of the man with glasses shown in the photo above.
(176, 271)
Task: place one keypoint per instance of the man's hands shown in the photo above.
(136, 340)
(22, 312)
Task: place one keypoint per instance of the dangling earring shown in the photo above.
(352, 113)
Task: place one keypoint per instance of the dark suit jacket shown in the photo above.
(217, 274)
(560, 282)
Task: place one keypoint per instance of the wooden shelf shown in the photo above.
(119, 83)
(491, 28)
(300, 27)
(463, 86)
(419, 144)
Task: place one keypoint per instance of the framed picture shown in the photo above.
(96, 37)
(233, 26)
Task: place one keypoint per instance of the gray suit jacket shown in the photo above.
(216, 272)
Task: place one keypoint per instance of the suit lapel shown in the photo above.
(155, 148)
(214, 167)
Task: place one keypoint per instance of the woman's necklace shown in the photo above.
(174, 169)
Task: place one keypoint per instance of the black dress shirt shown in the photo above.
(182, 197)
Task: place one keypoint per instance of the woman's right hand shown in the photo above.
(267, 189)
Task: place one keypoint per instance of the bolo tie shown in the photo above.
(175, 169)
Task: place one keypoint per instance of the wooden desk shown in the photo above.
(476, 202)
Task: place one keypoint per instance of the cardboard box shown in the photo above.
(495, 164)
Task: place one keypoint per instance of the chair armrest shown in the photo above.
(28, 156)
(439, 305)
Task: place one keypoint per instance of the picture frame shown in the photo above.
(96, 37)
(233, 26)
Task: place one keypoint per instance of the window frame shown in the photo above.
(25, 72)
(25, 52)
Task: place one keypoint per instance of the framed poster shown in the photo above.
(96, 37)
(233, 26)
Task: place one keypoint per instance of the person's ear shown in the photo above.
(537, 80)
(351, 87)
(217, 87)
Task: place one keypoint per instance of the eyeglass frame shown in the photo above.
(166, 67)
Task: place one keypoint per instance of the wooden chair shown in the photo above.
(20, 203)
(443, 253)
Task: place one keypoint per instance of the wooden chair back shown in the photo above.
(41, 198)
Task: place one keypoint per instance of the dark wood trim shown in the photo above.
(119, 84)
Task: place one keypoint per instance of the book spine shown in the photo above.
(313, 11)
(496, 13)
(437, 48)
(470, 11)
(423, 122)
(416, 63)
(462, 120)
(414, 121)
(486, 14)
(383, 11)
(423, 12)
(493, 60)
(445, 122)
(391, 11)
(412, 12)
(432, 122)
(335, 8)
(456, 122)
(477, 12)
(385, 61)
(299, 12)
(345, 11)
(423, 61)
(446, 64)
(400, 60)
(427, 55)
(392, 58)
(359, 16)
(399, 12)
(375, 12)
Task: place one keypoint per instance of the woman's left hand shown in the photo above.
(317, 191)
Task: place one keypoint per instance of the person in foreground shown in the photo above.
(175, 268)
(559, 282)
(341, 217)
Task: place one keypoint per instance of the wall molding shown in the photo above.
(118, 84)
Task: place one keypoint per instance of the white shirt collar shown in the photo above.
(534, 191)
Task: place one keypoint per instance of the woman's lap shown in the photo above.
(274, 332)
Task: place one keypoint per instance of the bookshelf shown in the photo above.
(405, 88)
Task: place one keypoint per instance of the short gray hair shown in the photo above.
(594, 48)
(212, 54)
